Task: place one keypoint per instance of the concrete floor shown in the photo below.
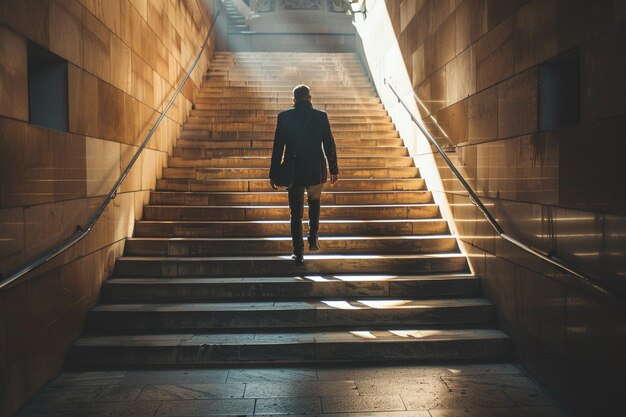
(496, 390)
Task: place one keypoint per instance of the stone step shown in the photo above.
(350, 165)
(265, 315)
(270, 67)
(293, 63)
(323, 74)
(276, 245)
(285, 101)
(268, 143)
(313, 84)
(329, 197)
(283, 59)
(262, 171)
(269, 134)
(233, 266)
(283, 92)
(305, 72)
(267, 66)
(354, 108)
(251, 112)
(293, 75)
(288, 58)
(339, 346)
(335, 212)
(289, 288)
(276, 63)
(285, 95)
(271, 119)
(194, 123)
(284, 55)
(415, 227)
(286, 79)
(188, 152)
(287, 89)
(255, 185)
(285, 98)
(320, 79)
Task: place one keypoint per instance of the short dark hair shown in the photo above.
(301, 92)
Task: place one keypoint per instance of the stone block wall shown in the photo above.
(124, 59)
(478, 66)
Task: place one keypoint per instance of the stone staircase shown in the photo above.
(208, 279)
(236, 22)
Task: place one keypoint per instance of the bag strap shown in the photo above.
(306, 122)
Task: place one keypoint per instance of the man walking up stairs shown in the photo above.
(302, 142)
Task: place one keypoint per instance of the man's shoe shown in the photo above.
(314, 244)
(298, 258)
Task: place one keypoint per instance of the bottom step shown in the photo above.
(335, 346)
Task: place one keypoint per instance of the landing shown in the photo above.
(417, 391)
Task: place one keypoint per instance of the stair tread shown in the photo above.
(402, 335)
(287, 238)
(235, 158)
(304, 287)
(269, 148)
(342, 179)
(288, 257)
(284, 193)
(257, 306)
(322, 221)
(295, 279)
(265, 169)
(272, 206)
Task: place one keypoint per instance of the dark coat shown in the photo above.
(317, 144)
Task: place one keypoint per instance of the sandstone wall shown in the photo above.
(124, 60)
(483, 67)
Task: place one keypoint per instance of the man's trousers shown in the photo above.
(296, 207)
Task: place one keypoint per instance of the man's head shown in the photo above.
(301, 92)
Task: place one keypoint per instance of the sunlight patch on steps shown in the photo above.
(342, 305)
(364, 334)
(349, 278)
(382, 304)
(406, 333)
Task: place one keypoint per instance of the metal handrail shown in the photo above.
(492, 221)
(81, 232)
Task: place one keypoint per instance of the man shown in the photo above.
(303, 133)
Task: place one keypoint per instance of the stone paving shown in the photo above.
(494, 390)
